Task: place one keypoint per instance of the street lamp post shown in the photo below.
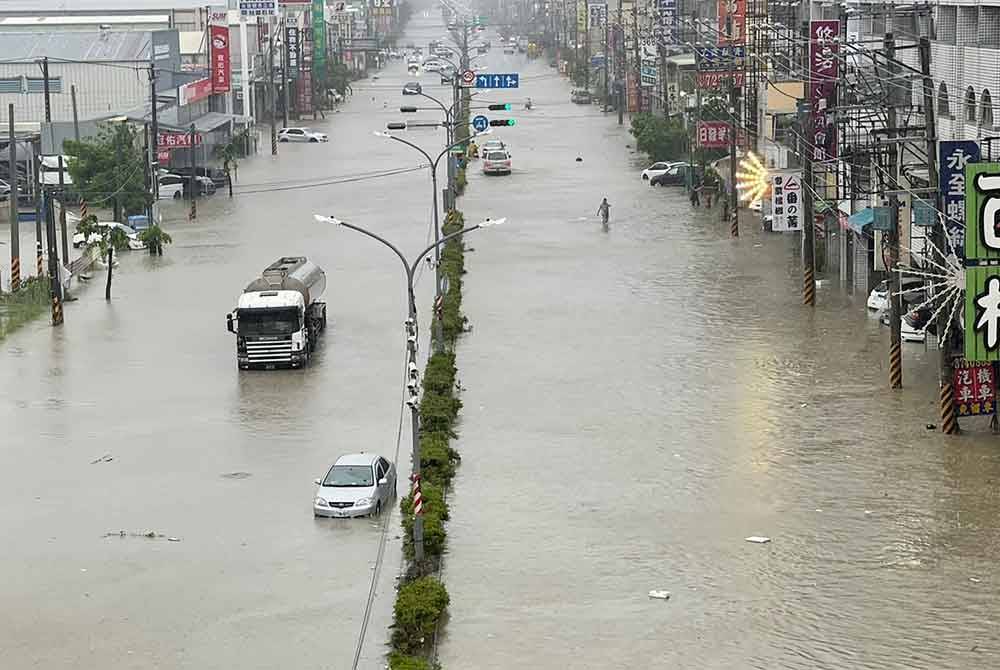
(437, 223)
(410, 268)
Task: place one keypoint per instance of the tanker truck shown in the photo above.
(279, 316)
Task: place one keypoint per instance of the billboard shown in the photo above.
(732, 21)
(252, 8)
(982, 262)
(221, 68)
(713, 134)
(786, 201)
(668, 32)
(166, 56)
(294, 42)
(319, 36)
(952, 159)
(824, 49)
(975, 388)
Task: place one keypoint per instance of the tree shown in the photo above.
(155, 238)
(663, 139)
(107, 239)
(228, 153)
(111, 166)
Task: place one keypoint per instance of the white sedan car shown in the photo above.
(656, 169)
(134, 242)
(301, 135)
(357, 485)
(496, 162)
(878, 299)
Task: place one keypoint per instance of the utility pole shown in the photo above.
(194, 175)
(15, 232)
(620, 65)
(36, 166)
(734, 206)
(586, 53)
(284, 69)
(895, 300)
(48, 102)
(153, 157)
(62, 209)
(76, 116)
(946, 373)
(271, 96)
(638, 56)
(55, 288)
(607, 57)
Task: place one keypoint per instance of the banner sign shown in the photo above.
(732, 21)
(713, 134)
(975, 388)
(294, 51)
(713, 80)
(668, 32)
(824, 48)
(953, 157)
(982, 262)
(649, 73)
(786, 201)
(721, 59)
(250, 8)
(195, 91)
(596, 13)
(305, 79)
(218, 26)
(319, 37)
(172, 140)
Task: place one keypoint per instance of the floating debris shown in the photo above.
(236, 475)
(758, 539)
(660, 595)
(106, 458)
(148, 534)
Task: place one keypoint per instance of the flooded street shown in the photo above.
(638, 401)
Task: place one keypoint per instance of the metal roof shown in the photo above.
(69, 20)
(76, 45)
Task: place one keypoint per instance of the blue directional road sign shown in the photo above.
(509, 80)
(480, 123)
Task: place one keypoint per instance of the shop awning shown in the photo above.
(859, 221)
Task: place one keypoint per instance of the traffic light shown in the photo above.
(395, 126)
(407, 110)
(501, 107)
(502, 122)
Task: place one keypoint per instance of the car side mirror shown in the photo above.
(229, 323)
(383, 481)
(318, 482)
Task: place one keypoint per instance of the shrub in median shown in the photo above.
(404, 662)
(437, 458)
(420, 604)
(435, 514)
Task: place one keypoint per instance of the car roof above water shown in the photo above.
(356, 459)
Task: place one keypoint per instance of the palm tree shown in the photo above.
(237, 147)
(154, 238)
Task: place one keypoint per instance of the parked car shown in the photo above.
(133, 237)
(657, 169)
(914, 324)
(412, 88)
(433, 66)
(205, 185)
(878, 299)
(509, 50)
(676, 175)
(580, 96)
(170, 189)
(357, 485)
(301, 135)
(217, 175)
(496, 162)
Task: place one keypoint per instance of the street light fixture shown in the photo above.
(412, 402)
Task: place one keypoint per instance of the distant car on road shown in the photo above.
(492, 145)
(357, 485)
(217, 175)
(675, 175)
(509, 50)
(580, 97)
(300, 135)
(134, 242)
(205, 185)
(657, 169)
(878, 299)
(170, 189)
(496, 162)
(412, 88)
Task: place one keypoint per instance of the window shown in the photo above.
(944, 108)
(986, 109)
(11, 85)
(970, 105)
(37, 84)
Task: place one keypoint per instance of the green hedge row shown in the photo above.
(28, 303)
(422, 600)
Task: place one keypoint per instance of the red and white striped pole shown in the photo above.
(418, 499)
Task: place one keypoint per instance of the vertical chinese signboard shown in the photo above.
(824, 47)
(294, 51)
(732, 21)
(669, 34)
(319, 38)
(305, 105)
(786, 201)
(218, 27)
(982, 262)
(581, 21)
(596, 13)
(975, 388)
(953, 157)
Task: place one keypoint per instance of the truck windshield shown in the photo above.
(263, 322)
